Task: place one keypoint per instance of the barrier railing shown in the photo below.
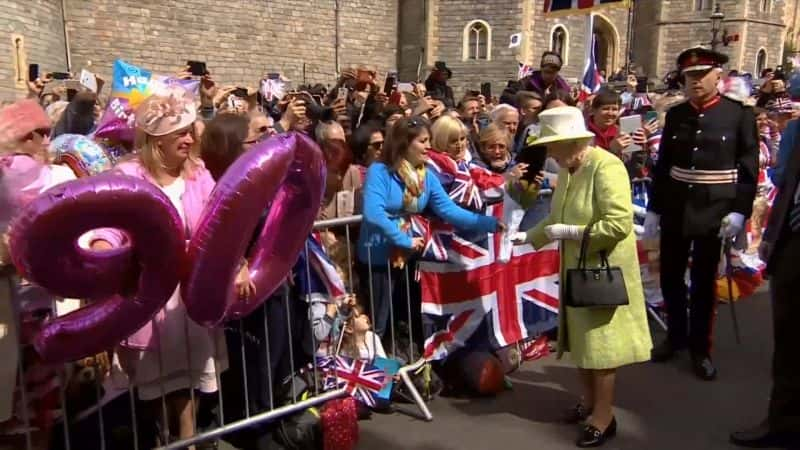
(107, 386)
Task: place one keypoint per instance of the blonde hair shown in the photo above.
(152, 158)
(444, 130)
(492, 133)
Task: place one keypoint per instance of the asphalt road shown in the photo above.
(659, 406)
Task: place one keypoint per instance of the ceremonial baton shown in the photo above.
(729, 275)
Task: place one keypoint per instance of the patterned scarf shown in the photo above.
(414, 179)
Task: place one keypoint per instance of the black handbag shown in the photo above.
(601, 287)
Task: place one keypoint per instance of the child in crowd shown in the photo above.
(359, 341)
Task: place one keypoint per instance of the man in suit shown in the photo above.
(780, 248)
(704, 185)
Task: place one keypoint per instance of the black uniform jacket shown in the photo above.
(705, 142)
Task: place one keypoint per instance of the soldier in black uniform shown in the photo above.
(703, 190)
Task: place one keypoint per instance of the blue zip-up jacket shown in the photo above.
(383, 205)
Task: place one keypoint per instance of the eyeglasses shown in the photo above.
(376, 145)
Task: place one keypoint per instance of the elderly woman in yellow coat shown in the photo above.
(593, 188)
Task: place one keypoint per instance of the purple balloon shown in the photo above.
(129, 285)
(286, 172)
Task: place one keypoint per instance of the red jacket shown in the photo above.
(602, 138)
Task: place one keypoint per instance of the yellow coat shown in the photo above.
(599, 192)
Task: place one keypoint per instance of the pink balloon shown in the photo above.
(287, 172)
(129, 284)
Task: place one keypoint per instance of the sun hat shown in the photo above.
(565, 123)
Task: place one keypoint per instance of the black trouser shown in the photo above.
(693, 331)
(784, 407)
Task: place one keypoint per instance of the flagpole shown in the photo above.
(630, 31)
(589, 38)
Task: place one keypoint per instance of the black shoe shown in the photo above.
(762, 437)
(592, 437)
(577, 414)
(663, 352)
(704, 368)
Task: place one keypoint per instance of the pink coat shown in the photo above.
(198, 189)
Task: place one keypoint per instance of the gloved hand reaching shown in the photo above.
(560, 231)
(732, 225)
(651, 224)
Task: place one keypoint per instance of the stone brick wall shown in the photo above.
(615, 25)
(240, 40)
(504, 17)
(39, 23)
(682, 26)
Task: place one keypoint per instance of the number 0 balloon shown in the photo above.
(287, 173)
(128, 284)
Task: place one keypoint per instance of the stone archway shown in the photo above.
(606, 44)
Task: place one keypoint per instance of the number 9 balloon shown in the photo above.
(127, 285)
(286, 173)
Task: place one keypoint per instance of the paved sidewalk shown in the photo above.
(659, 407)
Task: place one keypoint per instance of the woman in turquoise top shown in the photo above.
(395, 188)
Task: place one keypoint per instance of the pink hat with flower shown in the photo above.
(167, 112)
(18, 119)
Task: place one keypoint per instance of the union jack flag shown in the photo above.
(457, 177)
(524, 71)
(362, 380)
(323, 280)
(592, 80)
(459, 294)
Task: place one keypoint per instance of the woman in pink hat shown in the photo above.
(24, 174)
(172, 355)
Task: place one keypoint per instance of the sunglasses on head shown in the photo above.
(416, 122)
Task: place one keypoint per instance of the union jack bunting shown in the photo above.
(556, 6)
(362, 380)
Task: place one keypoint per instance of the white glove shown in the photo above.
(518, 238)
(732, 225)
(560, 232)
(651, 224)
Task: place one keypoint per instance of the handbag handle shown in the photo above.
(585, 249)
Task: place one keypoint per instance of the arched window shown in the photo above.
(477, 41)
(702, 5)
(761, 61)
(766, 5)
(559, 41)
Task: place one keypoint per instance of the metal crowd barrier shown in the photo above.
(251, 418)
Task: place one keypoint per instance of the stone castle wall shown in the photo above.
(241, 40)
(32, 33)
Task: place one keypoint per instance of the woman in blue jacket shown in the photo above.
(395, 188)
